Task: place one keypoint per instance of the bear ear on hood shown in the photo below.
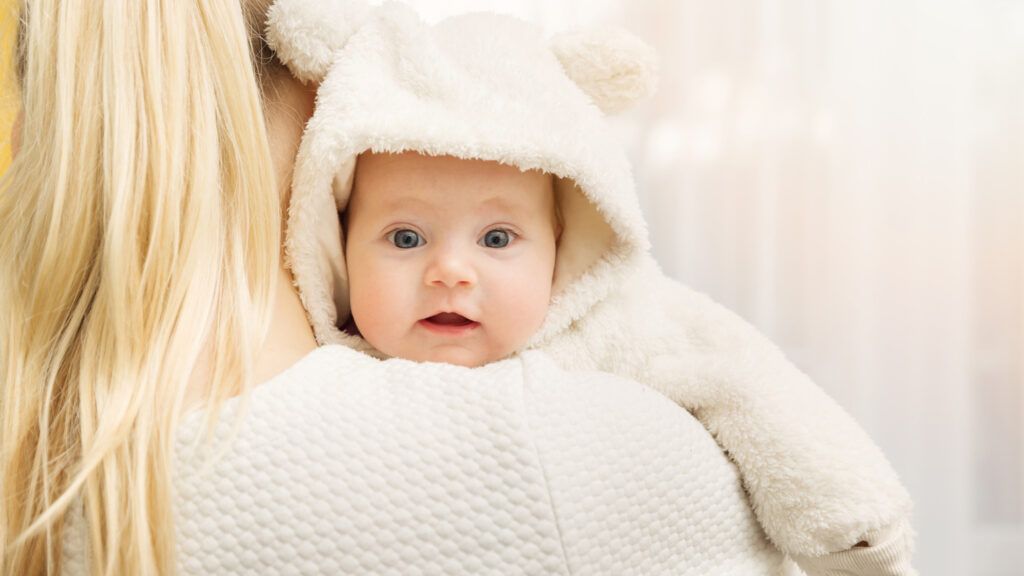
(613, 67)
(308, 34)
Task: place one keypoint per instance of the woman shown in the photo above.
(140, 258)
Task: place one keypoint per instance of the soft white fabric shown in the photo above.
(492, 87)
(345, 464)
(518, 467)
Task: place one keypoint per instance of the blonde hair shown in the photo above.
(140, 223)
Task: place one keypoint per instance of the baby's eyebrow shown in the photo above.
(403, 202)
(503, 203)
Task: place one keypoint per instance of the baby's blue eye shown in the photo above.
(496, 238)
(406, 239)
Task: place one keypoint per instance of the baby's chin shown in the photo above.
(467, 358)
(456, 355)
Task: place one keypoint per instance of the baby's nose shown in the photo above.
(450, 269)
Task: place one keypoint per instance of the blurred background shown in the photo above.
(849, 177)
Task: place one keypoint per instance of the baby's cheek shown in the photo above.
(376, 304)
(527, 298)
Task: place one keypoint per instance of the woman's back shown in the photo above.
(346, 464)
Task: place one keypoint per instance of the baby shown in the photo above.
(506, 218)
(449, 260)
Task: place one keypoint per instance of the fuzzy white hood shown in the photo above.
(476, 86)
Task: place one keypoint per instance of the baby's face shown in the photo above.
(449, 260)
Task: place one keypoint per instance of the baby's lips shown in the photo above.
(449, 319)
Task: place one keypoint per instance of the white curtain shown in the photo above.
(848, 175)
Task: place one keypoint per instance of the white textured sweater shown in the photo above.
(345, 464)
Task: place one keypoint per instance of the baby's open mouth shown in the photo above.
(449, 324)
(449, 319)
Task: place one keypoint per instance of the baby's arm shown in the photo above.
(816, 482)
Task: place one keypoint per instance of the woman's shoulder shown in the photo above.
(615, 409)
(624, 397)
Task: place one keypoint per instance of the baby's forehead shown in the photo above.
(473, 201)
(524, 197)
